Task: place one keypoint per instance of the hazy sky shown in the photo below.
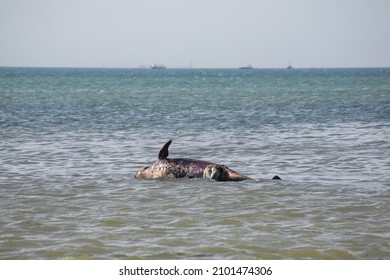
(210, 33)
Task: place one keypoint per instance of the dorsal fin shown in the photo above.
(164, 150)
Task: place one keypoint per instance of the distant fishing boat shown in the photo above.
(246, 67)
(289, 67)
(157, 66)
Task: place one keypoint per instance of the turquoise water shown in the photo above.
(72, 139)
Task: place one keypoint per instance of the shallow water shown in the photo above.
(72, 139)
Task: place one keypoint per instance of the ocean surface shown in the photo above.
(71, 141)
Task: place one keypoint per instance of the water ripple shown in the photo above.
(71, 141)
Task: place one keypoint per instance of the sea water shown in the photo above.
(71, 141)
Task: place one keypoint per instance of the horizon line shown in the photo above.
(199, 68)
